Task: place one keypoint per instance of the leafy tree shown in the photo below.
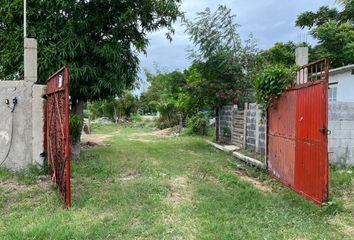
(334, 30)
(100, 40)
(221, 58)
(163, 94)
(281, 53)
(115, 108)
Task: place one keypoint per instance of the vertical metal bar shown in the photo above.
(67, 133)
(25, 18)
(326, 177)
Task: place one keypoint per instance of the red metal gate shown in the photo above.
(297, 134)
(57, 131)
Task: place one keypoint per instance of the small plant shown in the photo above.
(75, 125)
(198, 124)
(271, 82)
(226, 135)
(136, 118)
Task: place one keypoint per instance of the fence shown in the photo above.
(248, 122)
(247, 128)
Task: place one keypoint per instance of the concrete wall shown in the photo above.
(341, 140)
(21, 131)
(255, 129)
(345, 86)
(21, 128)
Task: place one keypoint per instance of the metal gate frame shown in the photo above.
(57, 136)
(297, 129)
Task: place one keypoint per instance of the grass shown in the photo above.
(151, 187)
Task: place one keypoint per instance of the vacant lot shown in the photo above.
(160, 186)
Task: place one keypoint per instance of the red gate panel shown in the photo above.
(57, 124)
(297, 134)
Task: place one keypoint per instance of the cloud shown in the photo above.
(270, 21)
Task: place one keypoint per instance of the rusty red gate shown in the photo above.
(297, 134)
(57, 131)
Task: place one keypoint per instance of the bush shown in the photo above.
(199, 123)
(271, 82)
(136, 118)
(75, 125)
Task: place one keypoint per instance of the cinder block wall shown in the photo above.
(341, 139)
(255, 129)
(225, 119)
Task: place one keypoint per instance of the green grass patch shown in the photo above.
(167, 187)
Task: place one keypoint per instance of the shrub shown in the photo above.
(226, 135)
(198, 123)
(271, 82)
(136, 118)
(75, 125)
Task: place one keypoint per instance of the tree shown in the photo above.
(281, 53)
(221, 58)
(334, 30)
(163, 94)
(100, 40)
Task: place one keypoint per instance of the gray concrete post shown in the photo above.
(30, 60)
(302, 58)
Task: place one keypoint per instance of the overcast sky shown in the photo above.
(270, 21)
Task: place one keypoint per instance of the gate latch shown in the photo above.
(325, 131)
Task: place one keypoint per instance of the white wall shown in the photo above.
(345, 86)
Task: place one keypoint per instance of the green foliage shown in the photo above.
(168, 114)
(221, 58)
(211, 193)
(119, 108)
(336, 40)
(100, 40)
(281, 53)
(271, 82)
(198, 124)
(164, 95)
(75, 126)
(136, 118)
(225, 135)
(334, 31)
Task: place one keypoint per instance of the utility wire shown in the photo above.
(12, 133)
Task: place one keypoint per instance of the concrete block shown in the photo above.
(30, 60)
(301, 56)
(347, 125)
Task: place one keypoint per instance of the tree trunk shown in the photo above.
(180, 119)
(77, 107)
(115, 115)
(217, 132)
